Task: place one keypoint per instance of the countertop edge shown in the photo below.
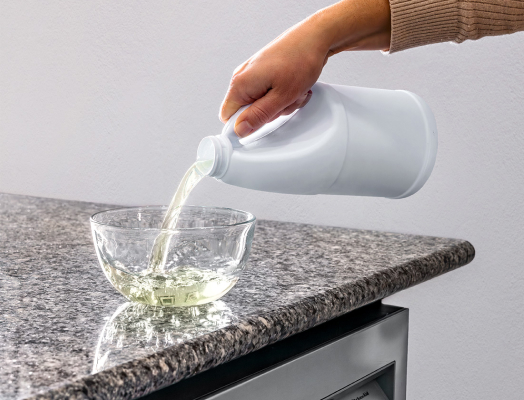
(146, 375)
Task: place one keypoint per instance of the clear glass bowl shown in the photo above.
(205, 255)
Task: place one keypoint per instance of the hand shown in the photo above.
(278, 78)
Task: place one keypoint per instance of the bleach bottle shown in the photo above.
(346, 141)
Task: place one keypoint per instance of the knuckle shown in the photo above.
(237, 70)
(290, 94)
(236, 79)
(241, 67)
(259, 115)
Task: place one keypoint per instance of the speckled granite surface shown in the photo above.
(66, 333)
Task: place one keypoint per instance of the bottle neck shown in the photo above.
(217, 149)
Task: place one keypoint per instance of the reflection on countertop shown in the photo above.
(137, 329)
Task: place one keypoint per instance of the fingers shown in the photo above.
(244, 89)
(230, 105)
(261, 112)
(301, 102)
(267, 109)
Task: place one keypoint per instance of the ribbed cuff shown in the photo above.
(420, 22)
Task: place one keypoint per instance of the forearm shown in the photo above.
(353, 25)
(420, 22)
(401, 24)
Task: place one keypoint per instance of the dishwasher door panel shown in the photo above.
(338, 366)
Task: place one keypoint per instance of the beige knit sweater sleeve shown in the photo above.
(420, 22)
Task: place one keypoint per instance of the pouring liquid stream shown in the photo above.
(177, 283)
(192, 177)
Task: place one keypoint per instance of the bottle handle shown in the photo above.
(265, 130)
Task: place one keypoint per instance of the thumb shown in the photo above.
(261, 112)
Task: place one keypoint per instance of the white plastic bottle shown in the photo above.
(346, 140)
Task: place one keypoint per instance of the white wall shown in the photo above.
(107, 101)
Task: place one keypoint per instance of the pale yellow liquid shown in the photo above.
(185, 286)
(157, 260)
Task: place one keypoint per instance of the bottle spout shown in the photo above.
(213, 155)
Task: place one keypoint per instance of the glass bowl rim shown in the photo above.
(251, 219)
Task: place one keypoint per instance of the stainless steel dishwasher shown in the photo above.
(359, 355)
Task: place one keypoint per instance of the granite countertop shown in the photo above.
(66, 333)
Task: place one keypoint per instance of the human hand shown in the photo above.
(278, 78)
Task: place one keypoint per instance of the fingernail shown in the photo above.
(243, 129)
